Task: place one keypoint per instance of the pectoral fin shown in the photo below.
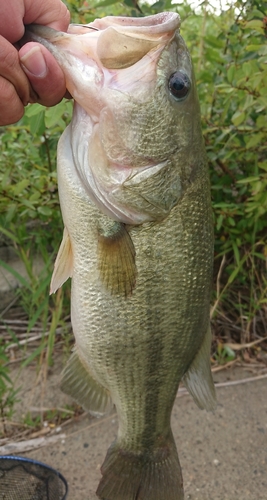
(198, 378)
(77, 382)
(116, 258)
(63, 265)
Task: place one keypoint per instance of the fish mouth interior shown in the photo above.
(122, 41)
(157, 24)
(113, 42)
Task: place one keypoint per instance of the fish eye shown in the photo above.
(179, 85)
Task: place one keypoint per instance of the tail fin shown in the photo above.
(147, 476)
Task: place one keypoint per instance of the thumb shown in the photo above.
(46, 77)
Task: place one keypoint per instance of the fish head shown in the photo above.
(133, 84)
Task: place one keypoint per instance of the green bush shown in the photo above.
(232, 84)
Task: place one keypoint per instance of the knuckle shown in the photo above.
(9, 60)
(66, 17)
(7, 91)
(11, 108)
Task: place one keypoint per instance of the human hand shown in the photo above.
(30, 74)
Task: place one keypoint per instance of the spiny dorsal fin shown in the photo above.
(63, 267)
(198, 378)
(116, 258)
(77, 382)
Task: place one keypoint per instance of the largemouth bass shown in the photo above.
(138, 240)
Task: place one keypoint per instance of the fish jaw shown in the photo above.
(91, 54)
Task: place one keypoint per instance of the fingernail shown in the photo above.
(34, 62)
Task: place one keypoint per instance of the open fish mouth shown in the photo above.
(115, 42)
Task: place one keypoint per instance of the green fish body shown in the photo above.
(138, 240)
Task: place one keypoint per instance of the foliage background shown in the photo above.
(229, 52)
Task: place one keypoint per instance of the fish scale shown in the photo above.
(138, 241)
(145, 309)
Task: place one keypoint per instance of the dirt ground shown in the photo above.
(223, 455)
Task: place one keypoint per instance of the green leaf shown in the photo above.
(33, 355)
(3, 374)
(263, 165)
(15, 274)
(27, 204)
(238, 118)
(260, 49)
(255, 24)
(229, 354)
(219, 222)
(37, 314)
(214, 41)
(231, 73)
(35, 196)
(44, 211)
(20, 186)
(53, 116)
(33, 109)
(9, 234)
(254, 140)
(106, 3)
(10, 213)
(248, 180)
(247, 68)
(249, 102)
(226, 88)
(231, 221)
(236, 252)
(235, 272)
(37, 124)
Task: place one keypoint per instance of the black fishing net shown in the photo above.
(25, 479)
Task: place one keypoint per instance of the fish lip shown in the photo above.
(39, 33)
(153, 25)
(44, 35)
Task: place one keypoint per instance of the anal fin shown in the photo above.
(198, 378)
(116, 258)
(63, 267)
(77, 382)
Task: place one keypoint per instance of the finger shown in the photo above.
(11, 71)
(11, 20)
(46, 77)
(11, 107)
(51, 12)
(14, 14)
